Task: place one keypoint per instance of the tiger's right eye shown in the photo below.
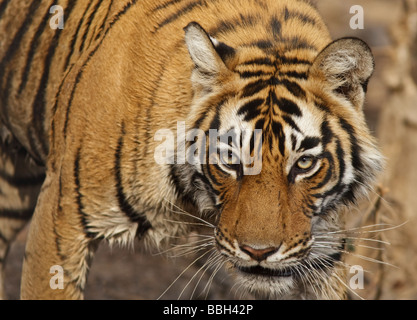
(231, 161)
(305, 163)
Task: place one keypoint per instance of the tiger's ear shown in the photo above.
(209, 55)
(345, 66)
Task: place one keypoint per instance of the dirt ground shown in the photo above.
(121, 273)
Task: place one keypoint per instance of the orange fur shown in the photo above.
(98, 91)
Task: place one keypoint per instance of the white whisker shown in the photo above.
(361, 228)
(338, 237)
(183, 212)
(180, 275)
(358, 256)
(207, 265)
(220, 262)
(337, 244)
(196, 273)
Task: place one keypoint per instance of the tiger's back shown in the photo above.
(87, 101)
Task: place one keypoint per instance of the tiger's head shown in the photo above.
(278, 193)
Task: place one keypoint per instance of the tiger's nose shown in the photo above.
(259, 254)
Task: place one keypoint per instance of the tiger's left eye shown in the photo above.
(230, 160)
(305, 163)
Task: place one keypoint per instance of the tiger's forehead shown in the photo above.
(271, 104)
(288, 125)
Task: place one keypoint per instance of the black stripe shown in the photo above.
(253, 88)
(18, 214)
(17, 39)
(293, 88)
(299, 16)
(276, 128)
(224, 51)
(279, 132)
(165, 5)
(251, 74)
(32, 49)
(293, 60)
(296, 42)
(356, 150)
(258, 61)
(58, 93)
(264, 45)
(54, 108)
(210, 191)
(294, 74)
(242, 21)
(101, 28)
(287, 106)
(223, 27)
(121, 13)
(204, 114)
(4, 95)
(89, 24)
(3, 7)
(293, 142)
(200, 120)
(178, 14)
(22, 181)
(291, 122)
(322, 106)
(350, 195)
(59, 212)
(38, 109)
(326, 133)
(341, 157)
(251, 109)
(4, 240)
(79, 197)
(210, 175)
(77, 81)
(116, 18)
(339, 186)
(75, 37)
(216, 123)
(124, 205)
(276, 27)
(30, 134)
(326, 155)
(258, 125)
(222, 247)
(179, 188)
(309, 143)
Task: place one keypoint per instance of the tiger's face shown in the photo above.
(296, 150)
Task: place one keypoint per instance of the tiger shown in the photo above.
(83, 110)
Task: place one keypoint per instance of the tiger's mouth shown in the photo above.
(267, 272)
(324, 264)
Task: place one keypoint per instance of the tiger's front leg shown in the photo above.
(58, 251)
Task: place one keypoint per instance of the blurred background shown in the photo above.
(390, 28)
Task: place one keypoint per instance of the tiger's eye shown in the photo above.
(305, 163)
(227, 158)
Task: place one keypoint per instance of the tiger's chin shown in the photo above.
(283, 283)
(266, 284)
